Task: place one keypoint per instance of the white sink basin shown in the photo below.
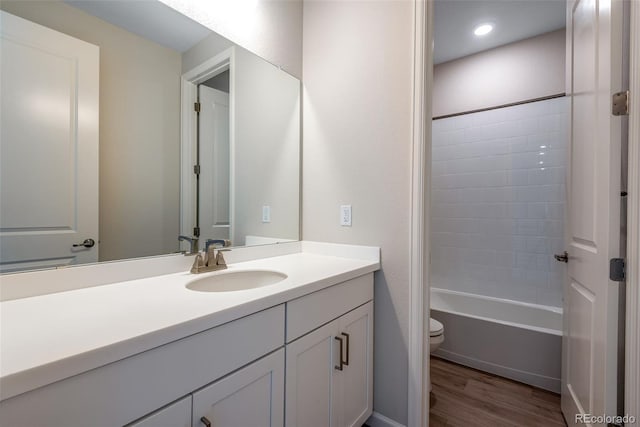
(229, 281)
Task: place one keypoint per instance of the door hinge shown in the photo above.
(620, 103)
(196, 169)
(616, 269)
(196, 231)
(196, 107)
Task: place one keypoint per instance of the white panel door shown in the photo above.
(590, 336)
(214, 164)
(48, 146)
(250, 397)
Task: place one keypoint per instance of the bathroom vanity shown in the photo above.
(152, 352)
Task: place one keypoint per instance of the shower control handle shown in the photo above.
(564, 257)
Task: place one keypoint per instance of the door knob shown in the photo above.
(88, 243)
(564, 257)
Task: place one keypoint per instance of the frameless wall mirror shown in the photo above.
(126, 124)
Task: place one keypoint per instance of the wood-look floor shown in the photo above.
(465, 397)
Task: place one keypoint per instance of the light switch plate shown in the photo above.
(266, 213)
(345, 215)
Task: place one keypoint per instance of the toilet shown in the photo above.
(436, 334)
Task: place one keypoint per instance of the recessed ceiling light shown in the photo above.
(482, 30)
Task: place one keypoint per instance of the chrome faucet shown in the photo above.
(193, 244)
(210, 260)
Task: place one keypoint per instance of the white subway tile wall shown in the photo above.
(498, 202)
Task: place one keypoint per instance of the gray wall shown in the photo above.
(272, 29)
(357, 126)
(266, 143)
(219, 82)
(205, 49)
(139, 131)
(528, 69)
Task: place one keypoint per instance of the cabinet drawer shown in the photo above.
(121, 392)
(311, 311)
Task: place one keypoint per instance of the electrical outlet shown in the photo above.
(266, 213)
(345, 215)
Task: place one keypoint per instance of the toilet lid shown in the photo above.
(435, 327)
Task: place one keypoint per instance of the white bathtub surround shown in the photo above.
(512, 339)
(498, 202)
(53, 336)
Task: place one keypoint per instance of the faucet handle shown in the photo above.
(220, 257)
(198, 263)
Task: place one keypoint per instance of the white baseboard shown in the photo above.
(378, 420)
(540, 381)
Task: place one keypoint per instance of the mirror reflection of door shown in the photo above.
(48, 148)
(214, 150)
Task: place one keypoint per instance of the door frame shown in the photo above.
(189, 82)
(418, 372)
(418, 402)
(632, 356)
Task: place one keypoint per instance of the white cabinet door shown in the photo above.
(48, 147)
(311, 362)
(177, 414)
(250, 397)
(330, 373)
(355, 381)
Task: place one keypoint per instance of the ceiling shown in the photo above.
(454, 22)
(513, 20)
(150, 19)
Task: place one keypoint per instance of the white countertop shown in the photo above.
(47, 338)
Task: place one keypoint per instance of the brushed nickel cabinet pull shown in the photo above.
(340, 367)
(206, 422)
(346, 362)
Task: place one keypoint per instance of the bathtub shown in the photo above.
(508, 338)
